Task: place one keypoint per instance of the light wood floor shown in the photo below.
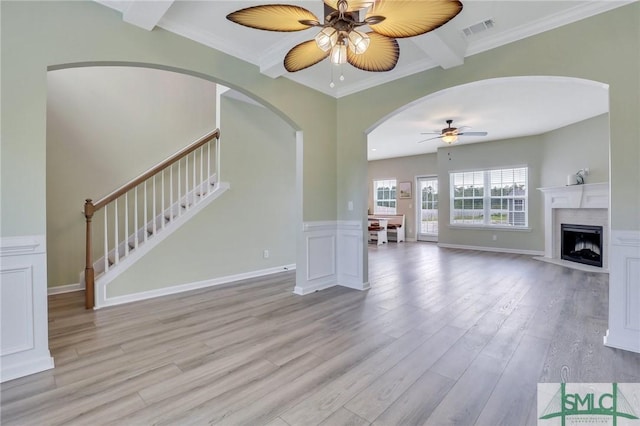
(443, 337)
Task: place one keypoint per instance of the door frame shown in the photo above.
(418, 209)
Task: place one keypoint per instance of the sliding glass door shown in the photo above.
(427, 208)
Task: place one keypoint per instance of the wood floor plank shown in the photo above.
(254, 353)
(381, 393)
(415, 405)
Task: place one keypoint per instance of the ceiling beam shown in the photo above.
(146, 14)
(272, 61)
(446, 45)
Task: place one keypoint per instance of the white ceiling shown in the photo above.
(504, 109)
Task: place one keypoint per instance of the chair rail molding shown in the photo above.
(24, 335)
(624, 291)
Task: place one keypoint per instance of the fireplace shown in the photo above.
(582, 244)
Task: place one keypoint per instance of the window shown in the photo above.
(384, 196)
(490, 198)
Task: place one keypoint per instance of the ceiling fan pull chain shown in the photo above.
(341, 74)
(332, 84)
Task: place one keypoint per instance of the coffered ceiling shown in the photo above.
(446, 47)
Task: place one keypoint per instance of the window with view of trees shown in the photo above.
(384, 196)
(490, 198)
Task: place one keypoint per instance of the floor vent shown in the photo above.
(480, 27)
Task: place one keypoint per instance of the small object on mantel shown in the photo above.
(578, 178)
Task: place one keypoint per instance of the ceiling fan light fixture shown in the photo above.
(450, 137)
(358, 42)
(327, 38)
(339, 53)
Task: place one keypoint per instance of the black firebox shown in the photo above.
(582, 244)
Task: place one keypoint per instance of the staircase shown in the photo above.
(137, 216)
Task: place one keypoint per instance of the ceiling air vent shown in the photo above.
(480, 27)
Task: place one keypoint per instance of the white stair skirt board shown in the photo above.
(624, 291)
(333, 255)
(492, 249)
(103, 280)
(24, 346)
(119, 300)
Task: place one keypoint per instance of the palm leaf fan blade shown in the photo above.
(274, 17)
(410, 18)
(303, 56)
(382, 54)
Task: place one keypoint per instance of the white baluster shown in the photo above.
(179, 187)
(144, 231)
(126, 224)
(162, 209)
(202, 188)
(106, 241)
(186, 182)
(154, 204)
(193, 191)
(208, 165)
(115, 233)
(218, 171)
(135, 217)
(171, 193)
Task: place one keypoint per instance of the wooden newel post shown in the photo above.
(89, 277)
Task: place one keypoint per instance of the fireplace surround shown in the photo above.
(584, 205)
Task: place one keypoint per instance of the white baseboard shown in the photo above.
(493, 249)
(69, 288)
(26, 368)
(315, 286)
(119, 300)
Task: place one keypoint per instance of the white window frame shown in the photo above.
(486, 197)
(387, 210)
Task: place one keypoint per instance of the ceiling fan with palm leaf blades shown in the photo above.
(450, 134)
(339, 38)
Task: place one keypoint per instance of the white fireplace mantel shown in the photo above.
(587, 196)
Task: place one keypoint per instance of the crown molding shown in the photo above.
(539, 26)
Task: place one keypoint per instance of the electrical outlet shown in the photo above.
(350, 206)
(265, 254)
(494, 237)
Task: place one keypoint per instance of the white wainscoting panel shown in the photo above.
(334, 253)
(320, 248)
(24, 337)
(624, 291)
(350, 255)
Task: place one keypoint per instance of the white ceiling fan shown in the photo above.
(450, 134)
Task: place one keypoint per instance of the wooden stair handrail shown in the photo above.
(90, 207)
(215, 134)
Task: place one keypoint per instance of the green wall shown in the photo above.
(604, 48)
(37, 36)
(106, 126)
(258, 212)
(403, 169)
(550, 157)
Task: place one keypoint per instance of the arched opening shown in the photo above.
(108, 124)
(553, 125)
